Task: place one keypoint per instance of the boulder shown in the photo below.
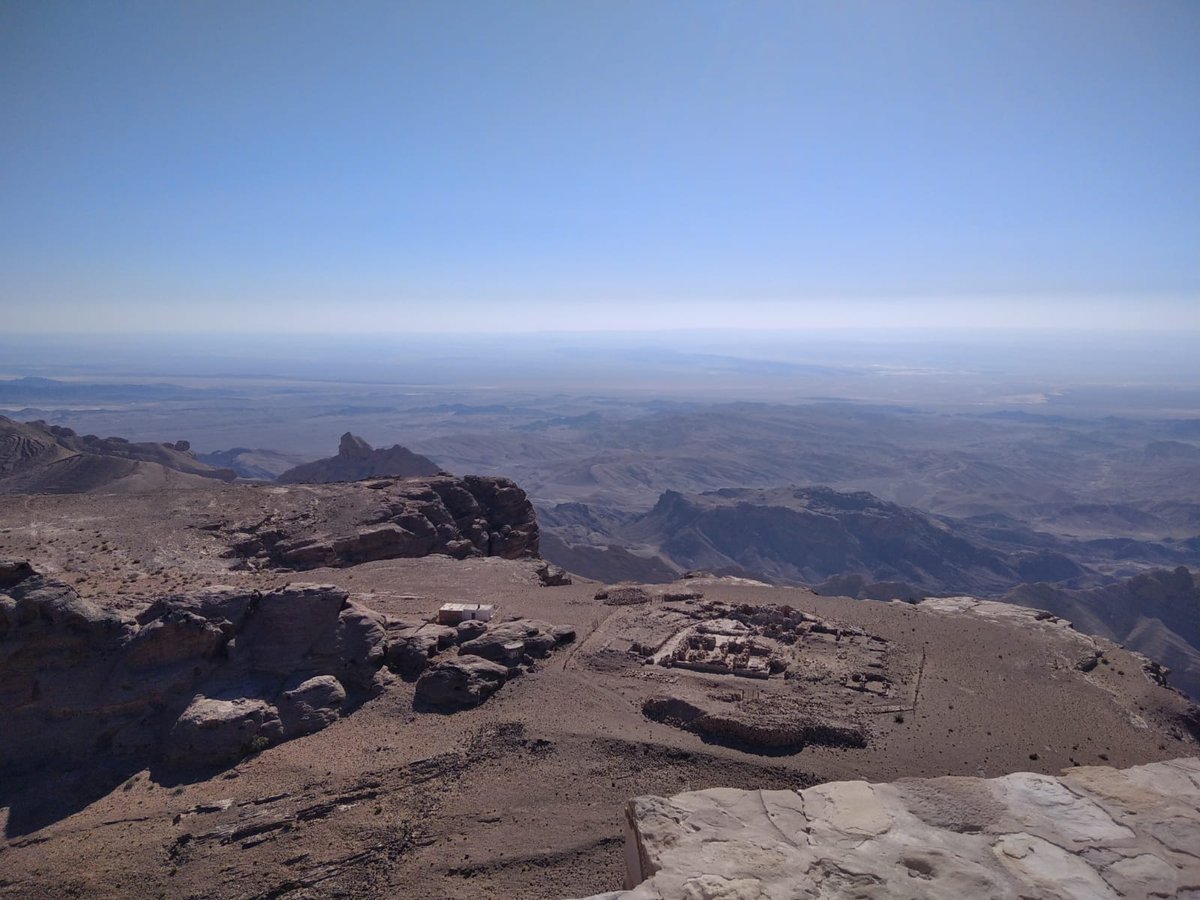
(550, 575)
(411, 654)
(412, 645)
(623, 595)
(311, 705)
(14, 571)
(511, 643)
(508, 642)
(459, 683)
(214, 732)
(470, 630)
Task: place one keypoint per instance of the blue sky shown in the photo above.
(599, 165)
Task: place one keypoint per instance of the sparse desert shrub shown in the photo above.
(258, 744)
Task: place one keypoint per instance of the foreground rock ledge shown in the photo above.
(1094, 832)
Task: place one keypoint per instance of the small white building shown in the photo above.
(453, 613)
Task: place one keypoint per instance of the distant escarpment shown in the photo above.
(843, 543)
(356, 459)
(49, 459)
(1156, 613)
(386, 518)
(807, 535)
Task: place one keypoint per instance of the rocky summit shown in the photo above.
(355, 460)
(1094, 832)
(388, 518)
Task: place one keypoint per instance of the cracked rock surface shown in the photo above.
(1093, 832)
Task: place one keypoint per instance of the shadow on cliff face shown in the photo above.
(188, 687)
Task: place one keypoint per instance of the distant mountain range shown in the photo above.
(806, 535)
(845, 543)
(32, 391)
(40, 458)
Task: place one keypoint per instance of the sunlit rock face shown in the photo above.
(338, 525)
(1094, 832)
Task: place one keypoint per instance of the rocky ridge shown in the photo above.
(39, 458)
(809, 534)
(851, 544)
(1094, 832)
(1156, 613)
(390, 518)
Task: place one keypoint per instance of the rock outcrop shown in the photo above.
(393, 518)
(1155, 612)
(511, 642)
(203, 679)
(1094, 832)
(459, 683)
(196, 679)
(488, 655)
(633, 594)
(412, 645)
(775, 727)
(356, 459)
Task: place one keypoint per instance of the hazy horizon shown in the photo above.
(1096, 373)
